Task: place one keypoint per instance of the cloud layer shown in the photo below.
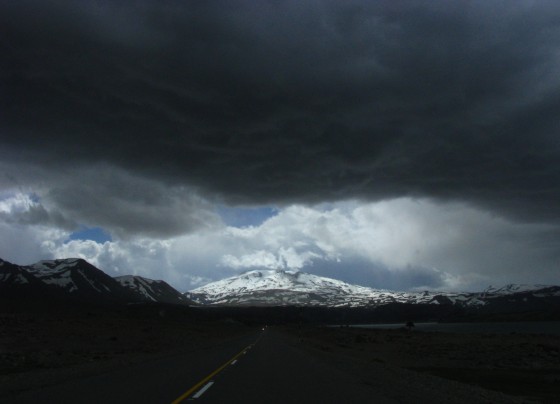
(281, 102)
(405, 143)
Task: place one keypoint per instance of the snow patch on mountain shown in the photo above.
(142, 285)
(52, 266)
(513, 288)
(152, 290)
(59, 273)
(62, 279)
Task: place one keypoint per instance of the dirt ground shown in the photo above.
(521, 365)
(39, 347)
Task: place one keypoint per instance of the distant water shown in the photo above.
(524, 327)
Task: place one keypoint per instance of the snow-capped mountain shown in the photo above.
(152, 290)
(271, 287)
(283, 288)
(278, 287)
(77, 276)
(77, 279)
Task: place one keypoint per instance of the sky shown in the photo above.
(404, 145)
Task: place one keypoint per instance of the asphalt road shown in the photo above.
(276, 370)
(266, 367)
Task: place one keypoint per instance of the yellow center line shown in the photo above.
(207, 378)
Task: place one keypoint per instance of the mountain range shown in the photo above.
(77, 279)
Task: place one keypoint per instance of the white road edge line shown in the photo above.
(234, 362)
(203, 390)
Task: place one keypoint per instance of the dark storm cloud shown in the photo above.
(260, 102)
(100, 195)
(127, 205)
(37, 214)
